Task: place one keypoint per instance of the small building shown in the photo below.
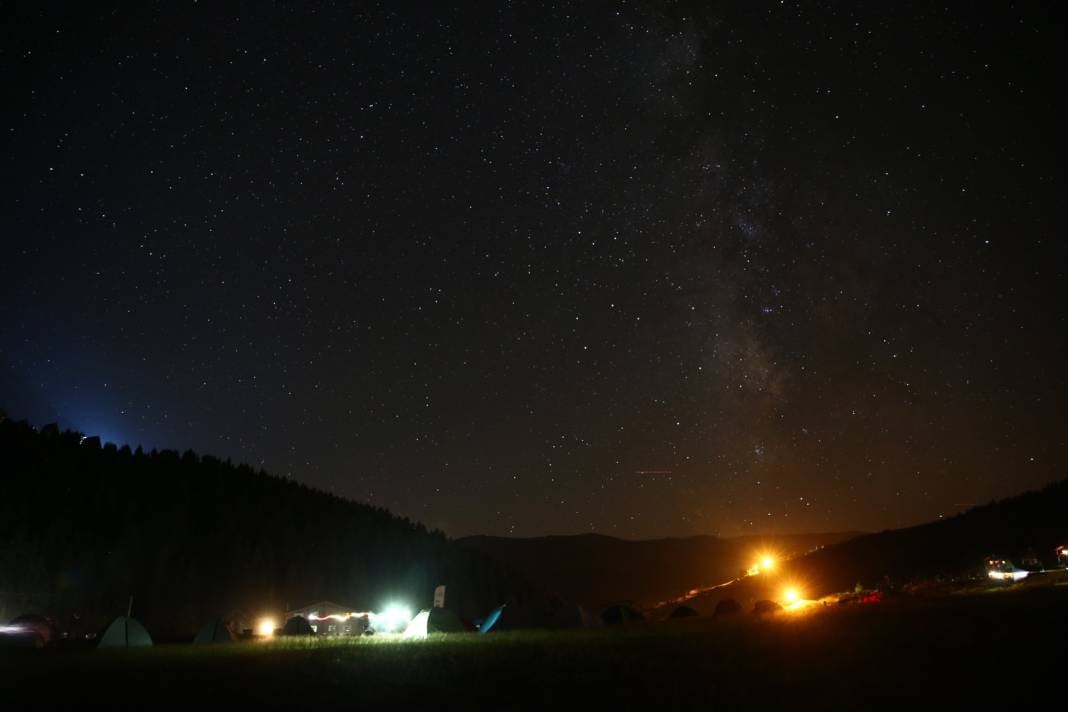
(996, 563)
(1000, 569)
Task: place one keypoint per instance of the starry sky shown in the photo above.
(521, 268)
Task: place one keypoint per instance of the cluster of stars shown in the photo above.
(491, 269)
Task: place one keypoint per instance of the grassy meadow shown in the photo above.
(918, 652)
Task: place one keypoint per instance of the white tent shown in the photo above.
(125, 632)
(416, 630)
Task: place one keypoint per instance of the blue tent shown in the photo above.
(491, 620)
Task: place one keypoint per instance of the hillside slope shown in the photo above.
(1030, 523)
(594, 570)
(1035, 522)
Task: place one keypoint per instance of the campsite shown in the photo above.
(920, 652)
(533, 355)
(844, 620)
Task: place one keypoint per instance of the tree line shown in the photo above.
(85, 526)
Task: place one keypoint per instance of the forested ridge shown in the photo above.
(84, 526)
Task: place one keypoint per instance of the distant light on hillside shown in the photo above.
(764, 565)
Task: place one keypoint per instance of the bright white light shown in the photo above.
(393, 619)
(265, 627)
(767, 563)
(791, 595)
(12, 629)
(398, 616)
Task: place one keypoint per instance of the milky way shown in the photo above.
(641, 269)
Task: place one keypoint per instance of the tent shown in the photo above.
(683, 612)
(568, 617)
(125, 632)
(765, 607)
(727, 607)
(297, 625)
(573, 616)
(214, 632)
(441, 620)
(614, 615)
(416, 629)
(436, 620)
(491, 620)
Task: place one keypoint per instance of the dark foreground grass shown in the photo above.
(914, 653)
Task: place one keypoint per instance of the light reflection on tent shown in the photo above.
(416, 630)
(491, 620)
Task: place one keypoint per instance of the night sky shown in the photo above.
(644, 269)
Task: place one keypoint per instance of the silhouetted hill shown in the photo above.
(950, 549)
(83, 527)
(1031, 522)
(594, 569)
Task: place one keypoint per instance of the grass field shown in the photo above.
(916, 652)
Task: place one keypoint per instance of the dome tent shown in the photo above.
(683, 612)
(297, 625)
(416, 629)
(435, 620)
(727, 607)
(214, 632)
(441, 620)
(765, 607)
(574, 616)
(615, 615)
(125, 632)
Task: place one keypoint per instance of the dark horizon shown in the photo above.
(635, 269)
(960, 508)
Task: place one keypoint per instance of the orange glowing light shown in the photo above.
(265, 627)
